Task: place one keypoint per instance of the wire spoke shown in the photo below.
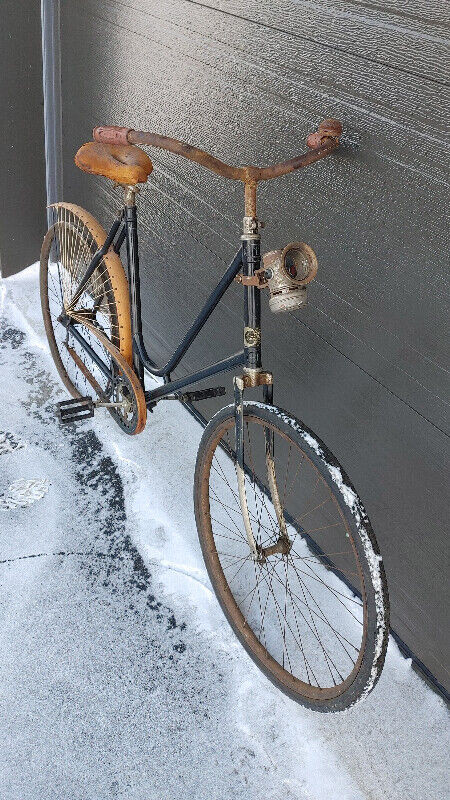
(322, 614)
(323, 619)
(70, 254)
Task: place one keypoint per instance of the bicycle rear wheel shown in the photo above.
(313, 615)
(101, 315)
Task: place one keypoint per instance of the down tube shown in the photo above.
(214, 298)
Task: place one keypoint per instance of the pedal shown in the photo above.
(202, 394)
(76, 410)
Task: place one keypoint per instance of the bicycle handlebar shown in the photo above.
(321, 143)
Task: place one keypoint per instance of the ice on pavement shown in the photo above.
(9, 442)
(24, 493)
(120, 677)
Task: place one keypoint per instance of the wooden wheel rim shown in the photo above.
(116, 276)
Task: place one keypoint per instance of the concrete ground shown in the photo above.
(119, 677)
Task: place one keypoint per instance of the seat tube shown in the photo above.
(251, 261)
(133, 277)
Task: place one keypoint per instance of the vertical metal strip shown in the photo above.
(51, 77)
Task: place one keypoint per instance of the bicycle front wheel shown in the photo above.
(313, 613)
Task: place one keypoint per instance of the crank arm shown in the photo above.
(101, 404)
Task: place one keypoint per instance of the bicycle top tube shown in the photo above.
(321, 143)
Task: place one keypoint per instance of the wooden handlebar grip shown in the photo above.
(111, 134)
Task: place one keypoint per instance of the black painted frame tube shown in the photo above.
(90, 351)
(141, 359)
(134, 286)
(97, 258)
(213, 369)
(214, 298)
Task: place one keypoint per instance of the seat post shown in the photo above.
(250, 198)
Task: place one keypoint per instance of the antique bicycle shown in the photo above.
(288, 546)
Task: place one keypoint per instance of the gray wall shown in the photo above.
(365, 364)
(22, 172)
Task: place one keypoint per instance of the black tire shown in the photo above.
(374, 594)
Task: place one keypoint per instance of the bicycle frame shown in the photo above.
(320, 143)
(247, 258)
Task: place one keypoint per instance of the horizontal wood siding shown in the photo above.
(366, 363)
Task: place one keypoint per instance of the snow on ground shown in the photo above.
(120, 678)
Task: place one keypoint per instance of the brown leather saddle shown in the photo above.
(123, 163)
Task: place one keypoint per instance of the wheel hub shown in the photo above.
(282, 546)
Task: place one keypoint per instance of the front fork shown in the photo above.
(253, 375)
(240, 464)
(283, 543)
(271, 474)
